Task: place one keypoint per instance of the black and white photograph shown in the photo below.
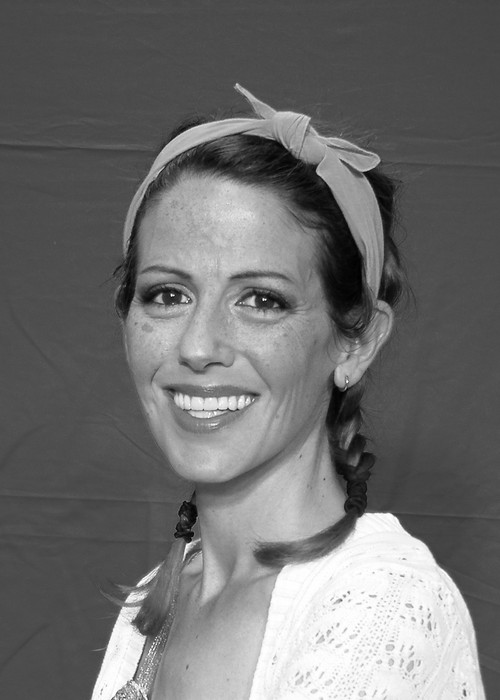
(250, 339)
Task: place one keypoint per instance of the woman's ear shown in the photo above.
(361, 352)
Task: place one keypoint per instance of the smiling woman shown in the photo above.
(258, 285)
(218, 319)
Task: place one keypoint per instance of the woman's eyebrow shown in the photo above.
(250, 274)
(245, 274)
(165, 268)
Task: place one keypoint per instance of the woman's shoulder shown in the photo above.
(381, 602)
(381, 555)
(381, 543)
(377, 541)
(381, 577)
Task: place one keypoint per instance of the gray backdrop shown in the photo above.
(88, 90)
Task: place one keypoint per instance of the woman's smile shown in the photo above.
(206, 407)
(235, 367)
(209, 408)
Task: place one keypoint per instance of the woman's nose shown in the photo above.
(206, 340)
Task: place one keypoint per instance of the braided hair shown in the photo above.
(266, 164)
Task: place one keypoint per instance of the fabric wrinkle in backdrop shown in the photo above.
(89, 90)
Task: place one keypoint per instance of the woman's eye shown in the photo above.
(167, 296)
(263, 301)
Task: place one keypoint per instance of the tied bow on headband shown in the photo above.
(339, 163)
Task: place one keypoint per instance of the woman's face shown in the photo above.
(228, 336)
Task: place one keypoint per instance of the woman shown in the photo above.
(257, 288)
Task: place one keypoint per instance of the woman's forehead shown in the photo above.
(202, 219)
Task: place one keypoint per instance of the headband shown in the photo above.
(339, 163)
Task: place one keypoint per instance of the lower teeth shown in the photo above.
(205, 414)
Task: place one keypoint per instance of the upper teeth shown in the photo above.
(212, 403)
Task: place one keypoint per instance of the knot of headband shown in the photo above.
(339, 163)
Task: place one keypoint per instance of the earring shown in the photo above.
(338, 378)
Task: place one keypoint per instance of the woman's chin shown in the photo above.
(207, 468)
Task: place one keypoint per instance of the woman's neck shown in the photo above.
(291, 499)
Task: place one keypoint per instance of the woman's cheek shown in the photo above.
(141, 347)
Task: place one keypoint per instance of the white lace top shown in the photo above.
(376, 619)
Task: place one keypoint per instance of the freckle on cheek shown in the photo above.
(147, 328)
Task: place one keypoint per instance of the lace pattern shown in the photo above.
(384, 634)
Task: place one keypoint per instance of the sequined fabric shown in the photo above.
(131, 691)
(139, 687)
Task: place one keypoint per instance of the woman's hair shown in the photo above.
(266, 164)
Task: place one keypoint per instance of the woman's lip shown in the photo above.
(206, 425)
(212, 390)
